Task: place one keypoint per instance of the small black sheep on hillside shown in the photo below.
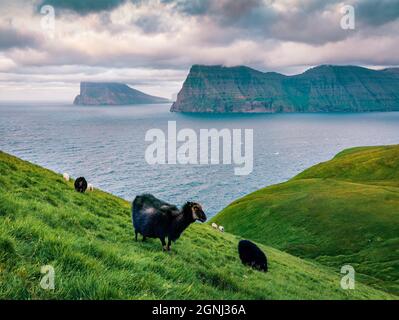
(80, 184)
(251, 255)
(154, 218)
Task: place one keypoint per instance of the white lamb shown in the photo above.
(221, 228)
(214, 225)
(66, 176)
(90, 187)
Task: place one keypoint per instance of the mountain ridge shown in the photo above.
(325, 88)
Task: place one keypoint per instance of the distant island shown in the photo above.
(111, 93)
(326, 88)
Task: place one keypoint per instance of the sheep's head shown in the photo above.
(196, 211)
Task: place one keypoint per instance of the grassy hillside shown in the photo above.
(368, 165)
(88, 239)
(344, 211)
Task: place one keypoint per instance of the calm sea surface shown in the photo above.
(107, 146)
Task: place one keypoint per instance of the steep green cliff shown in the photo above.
(321, 89)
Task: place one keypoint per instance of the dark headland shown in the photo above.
(111, 93)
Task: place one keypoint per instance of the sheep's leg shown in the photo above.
(165, 248)
(144, 238)
(169, 244)
(136, 233)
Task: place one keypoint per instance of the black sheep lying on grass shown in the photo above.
(251, 255)
(80, 184)
(154, 218)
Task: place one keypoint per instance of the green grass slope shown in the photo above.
(344, 211)
(88, 239)
(369, 165)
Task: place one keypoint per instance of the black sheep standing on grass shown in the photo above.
(251, 255)
(154, 218)
(80, 184)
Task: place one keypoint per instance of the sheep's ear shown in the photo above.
(190, 204)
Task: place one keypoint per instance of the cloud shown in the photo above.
(135, 41)
(311, 21)
(377, 12)
(232, 13)
(11, 38)
(194, 7)
(150, 24)
(82, 7)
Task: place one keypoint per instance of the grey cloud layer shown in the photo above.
(83, 6)
(281, 35)
(11, 38)
(379, 12)
(304, 21)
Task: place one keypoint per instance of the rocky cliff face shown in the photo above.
(321, 89)
(96, 93)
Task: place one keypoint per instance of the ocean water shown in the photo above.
(107, 146)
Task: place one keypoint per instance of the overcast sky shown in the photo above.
(151, 44)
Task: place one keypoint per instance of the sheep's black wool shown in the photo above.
(80, 184)
(154, 218)
(251, 255)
